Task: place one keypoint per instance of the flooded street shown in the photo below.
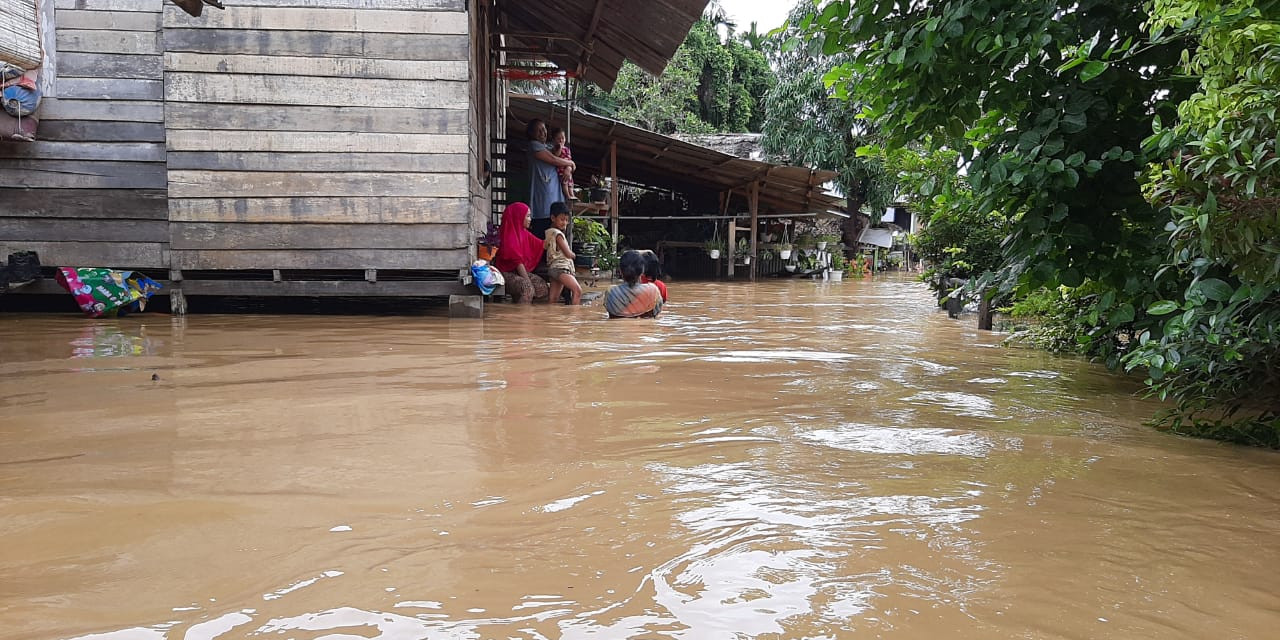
(782, 460)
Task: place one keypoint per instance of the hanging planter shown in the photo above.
(746, 259)
(785, 252)
(714, 246)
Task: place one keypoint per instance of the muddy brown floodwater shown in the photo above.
(782, 460)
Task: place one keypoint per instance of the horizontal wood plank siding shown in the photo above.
(91, 190)
(335, 210)
(240, 16)
(321, 259)
(86, 204)
(322, 162)
(153, 255)
(316, 141)
(318, 134)
(237, 236)
(321, 44)
(366, 68)
(213, 184)
(189, 115)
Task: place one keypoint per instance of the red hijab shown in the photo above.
(516, 245)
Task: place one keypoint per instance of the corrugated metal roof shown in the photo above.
(662, 161)
(597, 35)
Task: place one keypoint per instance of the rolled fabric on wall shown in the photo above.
(20, 101)
(20, 33)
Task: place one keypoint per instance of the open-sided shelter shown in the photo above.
(745, 189)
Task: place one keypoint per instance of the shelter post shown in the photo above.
(754, 203)
(613, 189)
(731, 244)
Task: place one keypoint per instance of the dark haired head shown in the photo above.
(552, 132)
(652, 265)
(531, 128)
(631, 265)
(559, 208)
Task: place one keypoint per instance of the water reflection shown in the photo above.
(782, 460)
(99, 340)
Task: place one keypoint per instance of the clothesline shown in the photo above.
(720, 217)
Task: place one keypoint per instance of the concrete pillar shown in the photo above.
(466, 306)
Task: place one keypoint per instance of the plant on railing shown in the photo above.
(714, 246)
(838, 261)
(488, 243)
(596, 240)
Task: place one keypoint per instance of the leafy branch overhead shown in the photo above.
(1130, 146)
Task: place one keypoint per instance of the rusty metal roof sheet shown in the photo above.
(593, 37)
(662, 161)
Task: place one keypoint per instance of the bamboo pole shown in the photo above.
(613, 189)
(731, 243)
(754, 204)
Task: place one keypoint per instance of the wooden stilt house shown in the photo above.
(291, 147)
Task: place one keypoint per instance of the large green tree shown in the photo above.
(709, 86)
(805, 126)
(1216, 347)
(1050, 102)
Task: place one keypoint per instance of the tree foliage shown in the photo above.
(1052, 104)
(806, 127)
(709, 86)
(1217, 342)
(958, 240)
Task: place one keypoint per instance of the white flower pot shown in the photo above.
(785, 254)
(791, 268)
(821, 246)
(714, 253)
(746, 259)
(837, 276)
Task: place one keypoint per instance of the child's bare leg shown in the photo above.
(568, 281)
(556, 288)
(567, 187)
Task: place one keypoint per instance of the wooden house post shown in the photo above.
(754, 204)
(730, 244)
(613, 189)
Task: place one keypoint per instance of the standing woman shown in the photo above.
(518, 255)
(544, 176)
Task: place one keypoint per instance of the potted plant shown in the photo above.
(599, 189)
(827, 239)
(744, 250)
(806, 241)
(838, 264)
(596, 243)
(714, 246)
(487, 243)
(784, 249)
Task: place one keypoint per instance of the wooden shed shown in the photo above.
(291, 147)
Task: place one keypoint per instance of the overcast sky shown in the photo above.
(769, 14)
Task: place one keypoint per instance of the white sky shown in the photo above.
(769, 14)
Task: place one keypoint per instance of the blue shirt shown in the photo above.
(544, 182)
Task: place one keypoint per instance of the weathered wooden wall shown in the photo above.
(91, 191)
(275, 134)
(307, 134)
(483, 110)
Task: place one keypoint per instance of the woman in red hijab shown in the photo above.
(518, 254)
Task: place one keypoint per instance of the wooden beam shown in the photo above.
(324, 288)
(730, 244)
(613, 189)
(590, 33)
(753, 202)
